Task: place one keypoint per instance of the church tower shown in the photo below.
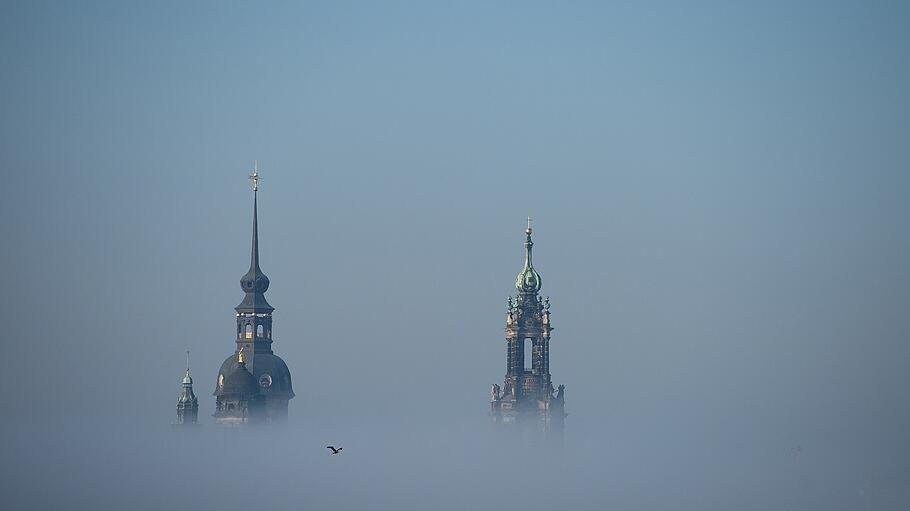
(253, 353)
(528, 396)
(187, 404)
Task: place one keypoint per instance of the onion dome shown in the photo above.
(187, 397)
(528, 280)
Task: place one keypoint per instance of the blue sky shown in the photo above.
(719, 193)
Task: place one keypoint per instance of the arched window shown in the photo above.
(259, 331)
(529, 343)
(249, 331)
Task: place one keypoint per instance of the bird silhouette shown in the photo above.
(334, 450)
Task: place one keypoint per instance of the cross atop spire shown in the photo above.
(254, 177)
(254, 282)
(186, 377)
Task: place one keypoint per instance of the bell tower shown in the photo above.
(253, 353)
(528, 396)
(254, 314)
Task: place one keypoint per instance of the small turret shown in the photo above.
(187, 404)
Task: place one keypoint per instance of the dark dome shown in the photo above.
(237, 381)
(268, 371)
(254, 281)
(272, 374)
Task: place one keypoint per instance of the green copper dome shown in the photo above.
(528, 280)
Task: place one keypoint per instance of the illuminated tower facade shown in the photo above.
(527, 396)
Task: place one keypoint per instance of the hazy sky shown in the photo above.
(720, 195)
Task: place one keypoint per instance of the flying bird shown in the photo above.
(334, 450)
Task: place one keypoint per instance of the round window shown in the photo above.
(265, 381)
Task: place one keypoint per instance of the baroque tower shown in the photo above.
(528, 396)
(253, 359)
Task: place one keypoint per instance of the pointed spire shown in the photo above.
(187, 404)
(186, 378)
(255, 282)
(254, 251)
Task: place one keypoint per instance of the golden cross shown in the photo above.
(255, 175)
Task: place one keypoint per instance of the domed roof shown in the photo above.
(186, 397)
(238, 381)
(528, 280)
(268, 370)
(272, 374)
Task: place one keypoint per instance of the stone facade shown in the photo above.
(527, 396)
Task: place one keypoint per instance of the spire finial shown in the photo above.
(240, 355)
(254, 282)
(254, 177)
(187, 362)
(528, 280)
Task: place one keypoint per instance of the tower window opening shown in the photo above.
(528, 344)
(259, 331)
(249, 331)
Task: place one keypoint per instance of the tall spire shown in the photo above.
(186, 378)
(528, 280)
(254, 251)
(255, 282)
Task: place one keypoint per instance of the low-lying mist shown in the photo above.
(411, 463)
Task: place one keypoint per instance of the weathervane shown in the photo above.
(254, 177)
